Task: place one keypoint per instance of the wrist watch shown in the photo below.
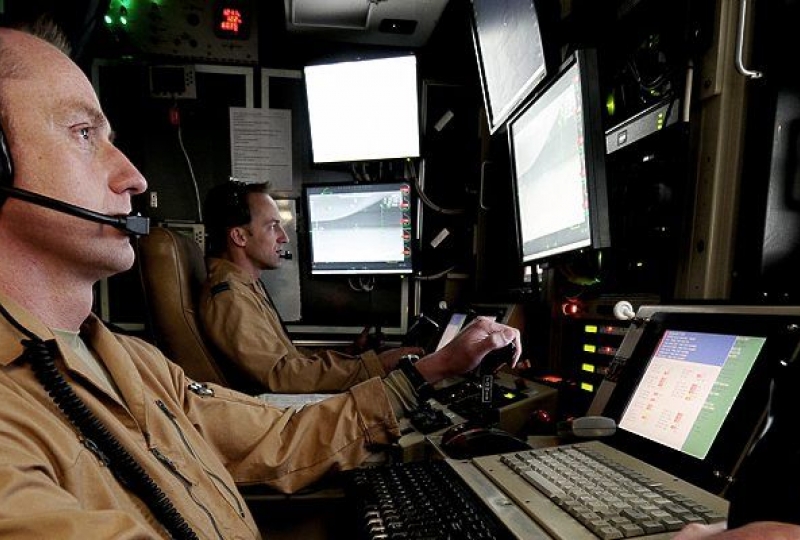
(423, 389)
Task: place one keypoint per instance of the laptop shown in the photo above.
(688, 390)
(453, 327)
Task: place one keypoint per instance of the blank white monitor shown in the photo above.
(363, 110)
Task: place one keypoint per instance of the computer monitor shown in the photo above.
(693, 390)
(359, 228)
(688, 387)
(363, 110)
(510, 54)
(557, 150)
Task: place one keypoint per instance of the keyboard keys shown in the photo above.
(419, 501)
(607, 498)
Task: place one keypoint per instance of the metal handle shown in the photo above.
(480, 189)
(740, 44)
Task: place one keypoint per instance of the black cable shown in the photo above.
(41, 356)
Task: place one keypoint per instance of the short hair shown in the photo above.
(12, 62)
(226, 206)
(13, 66)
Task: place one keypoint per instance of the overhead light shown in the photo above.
(349, 14)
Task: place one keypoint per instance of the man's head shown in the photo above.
(244, 225)
(61, 145)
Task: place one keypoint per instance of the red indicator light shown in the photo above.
(570, 309)
(231, 20)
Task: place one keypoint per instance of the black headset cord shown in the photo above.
(41, 356)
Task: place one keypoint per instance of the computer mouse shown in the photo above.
(466, 440)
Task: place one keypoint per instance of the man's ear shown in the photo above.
(238, 236)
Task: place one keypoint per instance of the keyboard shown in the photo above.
(420, 500)
(606, 497)
(581, 491)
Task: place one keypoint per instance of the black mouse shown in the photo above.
(466, 440)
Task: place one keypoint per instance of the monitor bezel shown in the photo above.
(334, 271)
(594, 159)
(746, 415)
(363, 59)
(496, 120)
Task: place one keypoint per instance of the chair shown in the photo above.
(172, 271)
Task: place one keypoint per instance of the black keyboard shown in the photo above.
(421, 500)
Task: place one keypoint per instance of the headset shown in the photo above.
(227, 207)
(134, 225)
(227, 204)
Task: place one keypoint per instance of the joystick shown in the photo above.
(496, 358)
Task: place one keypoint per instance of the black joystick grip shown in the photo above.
(496, 358)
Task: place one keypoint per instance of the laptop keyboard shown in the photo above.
(610, 500)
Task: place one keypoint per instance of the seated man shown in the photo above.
(246, 237)
(102, 436)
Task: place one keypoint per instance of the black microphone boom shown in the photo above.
(133, 225)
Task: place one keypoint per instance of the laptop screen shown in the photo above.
(688, 388)
(692, 394)
(454, 325)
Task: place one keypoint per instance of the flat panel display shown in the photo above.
(510, 54)
(363, 110)
(360, 228)
(693, 392)
(557, 149)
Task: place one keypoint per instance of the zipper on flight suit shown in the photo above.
(99, 454)
(215, 477)
(187, 484)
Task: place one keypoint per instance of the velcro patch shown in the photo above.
(219, 287)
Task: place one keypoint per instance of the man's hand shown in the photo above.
(390, 358)
(759, 530)
(468, 348)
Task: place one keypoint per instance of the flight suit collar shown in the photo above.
(97, 337)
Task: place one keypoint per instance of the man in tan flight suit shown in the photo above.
(245, 238)
(102, 436)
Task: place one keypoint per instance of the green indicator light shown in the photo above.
(123, 20)
(611, 105)
(108, 19)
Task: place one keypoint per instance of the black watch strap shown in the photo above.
(423, 389)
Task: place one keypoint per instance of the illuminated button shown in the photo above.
(588, 347)
(590, 329)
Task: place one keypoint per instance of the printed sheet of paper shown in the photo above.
(261, 146)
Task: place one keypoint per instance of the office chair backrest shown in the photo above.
(172, 270)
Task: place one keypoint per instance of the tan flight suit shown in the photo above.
(240, 320)
(193, 446)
